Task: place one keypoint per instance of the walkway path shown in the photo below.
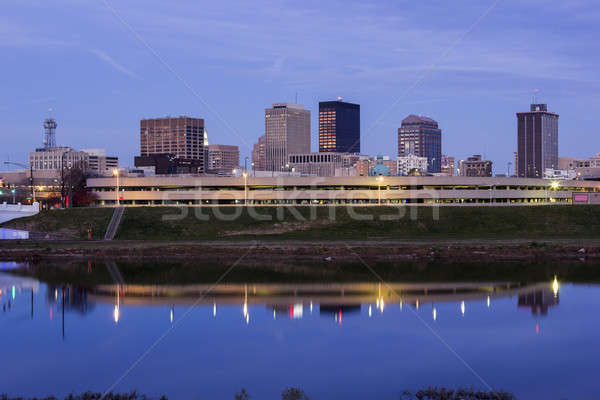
(113, 225)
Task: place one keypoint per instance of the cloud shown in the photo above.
(14, 35)
(111, 61)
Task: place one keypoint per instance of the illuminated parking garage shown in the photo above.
(201, 190)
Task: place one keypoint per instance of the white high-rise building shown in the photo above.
(287, 131)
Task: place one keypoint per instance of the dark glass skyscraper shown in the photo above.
(339, 127)
(421, 137)
(537, 135)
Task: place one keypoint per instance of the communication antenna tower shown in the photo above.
(50, 131)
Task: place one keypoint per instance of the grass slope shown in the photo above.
(322, 223)
(453, 222)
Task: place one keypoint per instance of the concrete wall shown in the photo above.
(13, 211)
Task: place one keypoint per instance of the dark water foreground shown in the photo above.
(194, 331)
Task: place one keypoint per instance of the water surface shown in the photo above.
(351, 340)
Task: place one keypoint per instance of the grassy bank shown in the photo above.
(70, 223)
(173, 223)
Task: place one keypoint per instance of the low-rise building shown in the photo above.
(223, 159)
(475, 166)
(411, 163)
(380, 169)
(366, 163)
(56, 159)
(550, 173)
(320, 164)
(587, 174)
(259, 154)
(448, 165)
(168, 164)
(99, 163)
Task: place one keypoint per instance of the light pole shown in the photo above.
(116, 174)
(245, 175)
(379, 180)
(553, 185)
(253, 170)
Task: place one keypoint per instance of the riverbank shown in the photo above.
(267, 250)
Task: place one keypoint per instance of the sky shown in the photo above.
(102, 65)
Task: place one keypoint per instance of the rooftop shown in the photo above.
(413, 119)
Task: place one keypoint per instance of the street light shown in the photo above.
(379, 180)
(553, 185)
(116, 174)
(245, 175)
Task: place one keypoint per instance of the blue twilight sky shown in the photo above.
(102, 65)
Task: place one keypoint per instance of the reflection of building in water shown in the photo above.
(334, 299)
(75, 299)
(295, 311)
(13, 286)
(539, 301)
(328, 310)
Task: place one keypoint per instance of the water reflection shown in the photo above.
(284, 300)
(539, 301)
(291, 301)
(309, 330)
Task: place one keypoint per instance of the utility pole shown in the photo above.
(62, 180)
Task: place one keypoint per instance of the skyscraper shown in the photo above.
(287, 131)
(182, 137)
(339, 127)
(177, 141)
(537, 136)
(421, 137)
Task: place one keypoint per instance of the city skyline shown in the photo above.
(130, 84)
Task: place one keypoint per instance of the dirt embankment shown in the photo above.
(355, 251)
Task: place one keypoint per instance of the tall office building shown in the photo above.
(537, 134)
(421, 137)
(339, 127)
(287, 131)
(182, 137)
(176, 141)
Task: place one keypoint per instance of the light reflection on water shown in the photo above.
(350, 340)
